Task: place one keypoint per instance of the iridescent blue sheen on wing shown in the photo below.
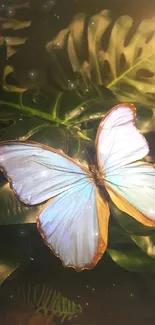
(118, 140)
(69, 223)
(136, 183)
(74, 222)
(129, 182)
(37, 174)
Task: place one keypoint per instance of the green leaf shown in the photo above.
(3, 57)
(44, 299)
(59, 138)
(128, 223)
(133, 260)
(14, 211)
(15, 24)
(69, 108)
(126, 66)
(145, 118)
(13, 42)
(13, 109)
(88, 107)
(23, 128)
(117, 236)
(6, 86)
(146, 243)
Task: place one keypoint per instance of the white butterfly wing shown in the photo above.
(134, 184)
(37, 172)
(75, 225)
(130, 184)
(118, 141)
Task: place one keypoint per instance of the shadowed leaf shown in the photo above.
(14, 211)
(133, 260)
(15, 250)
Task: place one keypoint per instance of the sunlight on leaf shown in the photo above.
(133, 260)
(12, 42)
(5, 270)
(15, 24)
(146, 243)
(8, 69)
(9, 29)
(126, 64)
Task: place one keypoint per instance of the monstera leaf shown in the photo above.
(68, 108)
(10, 26)
(81, 111)
(121, 59)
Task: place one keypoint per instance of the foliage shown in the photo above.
(146, 243)
(121, 59)
(28, 122)
(14, 211)
(132, 260)
(68, 108)
(123, 242)
(110, 62)
(42, 298)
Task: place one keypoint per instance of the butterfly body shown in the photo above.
(74, 219)
(97, 178)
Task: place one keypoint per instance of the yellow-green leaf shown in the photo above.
(124, 61)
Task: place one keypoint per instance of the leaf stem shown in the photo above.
(56, 106)
(33, 112)
(127, 71)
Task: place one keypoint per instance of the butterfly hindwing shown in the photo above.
(130, 183)
(134, 185)
(75, 225)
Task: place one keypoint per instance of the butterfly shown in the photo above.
(74, 220)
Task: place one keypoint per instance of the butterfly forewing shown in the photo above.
(130, 184)
(118, 142)
(74, 223)
(37, 173)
